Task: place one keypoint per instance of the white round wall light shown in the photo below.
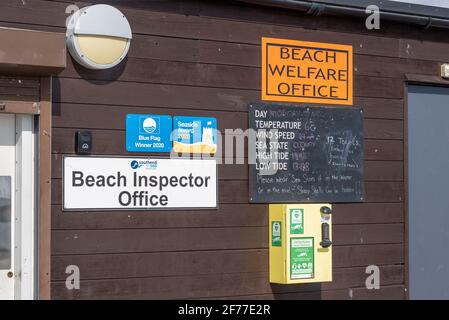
(98, 36)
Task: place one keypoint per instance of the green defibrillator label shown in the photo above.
(296, 221)
(302, 263)
(276, 234)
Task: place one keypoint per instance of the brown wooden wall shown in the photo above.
(203, 58)
(19, 88)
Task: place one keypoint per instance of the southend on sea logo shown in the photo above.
(146, 164)
(134, 164)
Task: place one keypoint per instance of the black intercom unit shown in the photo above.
(83, 142)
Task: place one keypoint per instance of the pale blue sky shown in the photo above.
(436, 3)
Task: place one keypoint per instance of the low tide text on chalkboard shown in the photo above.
(300, 153)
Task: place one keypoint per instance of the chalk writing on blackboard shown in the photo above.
(305, 154)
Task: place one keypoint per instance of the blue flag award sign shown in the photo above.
(148, 133)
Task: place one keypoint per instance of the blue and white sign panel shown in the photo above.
(148, 133)
(195, 134)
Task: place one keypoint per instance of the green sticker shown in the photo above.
(276, 234)
(296, 221)
(302, 264)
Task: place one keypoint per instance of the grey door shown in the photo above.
(428, 186)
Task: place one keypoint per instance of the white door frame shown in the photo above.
(26, 209)
(23, 209)
(41, 111)
(7, 224)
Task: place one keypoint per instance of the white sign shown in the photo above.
(138, 183)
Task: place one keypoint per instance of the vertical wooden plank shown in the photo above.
(44, 169)
(406, 195)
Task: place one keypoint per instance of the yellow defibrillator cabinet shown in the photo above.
(300, 243)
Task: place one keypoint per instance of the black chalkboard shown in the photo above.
(300, 153)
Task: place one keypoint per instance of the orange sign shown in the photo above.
(298, 71)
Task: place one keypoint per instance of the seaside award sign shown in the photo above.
(311, 72)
